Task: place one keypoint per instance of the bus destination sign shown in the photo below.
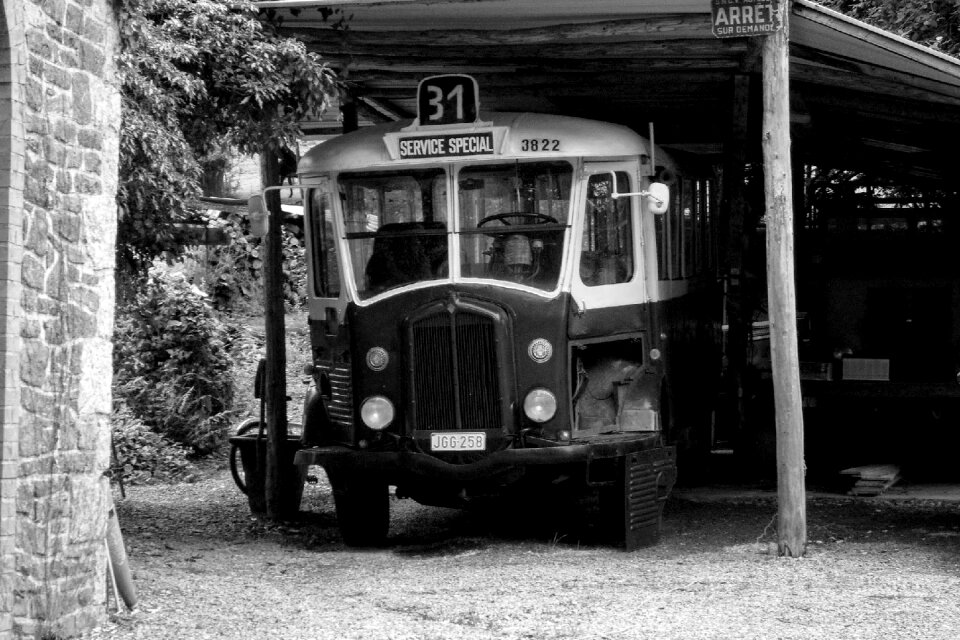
(744, 18)
(446, 145)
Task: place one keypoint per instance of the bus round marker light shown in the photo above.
(378, 358)
(377, 412)
(540, 350)
(540, 405)
(654, 354)
(563, 435)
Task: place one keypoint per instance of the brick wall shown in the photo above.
(60, 242)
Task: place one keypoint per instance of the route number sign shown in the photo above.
(448, 99)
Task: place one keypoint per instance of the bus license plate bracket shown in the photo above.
(458, 441)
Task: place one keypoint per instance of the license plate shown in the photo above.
(458, 441)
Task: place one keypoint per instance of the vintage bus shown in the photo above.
(500, 303)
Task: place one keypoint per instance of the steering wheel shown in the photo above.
(534, 218)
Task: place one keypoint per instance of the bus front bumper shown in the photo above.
(419, 464)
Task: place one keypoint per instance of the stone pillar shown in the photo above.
(58, 259)
(11, 250)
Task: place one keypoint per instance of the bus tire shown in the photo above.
(363, 510)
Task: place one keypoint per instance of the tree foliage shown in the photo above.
(934, 23)
(199, 76)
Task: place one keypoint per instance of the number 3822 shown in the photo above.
(539, 144)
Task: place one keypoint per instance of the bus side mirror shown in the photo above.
(257, 216)
(658, 198)
(657, 195)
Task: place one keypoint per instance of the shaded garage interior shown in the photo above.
(874, 123)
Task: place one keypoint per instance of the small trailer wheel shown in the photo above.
(236, 467)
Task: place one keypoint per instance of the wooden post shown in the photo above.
(733, 209)
(275, 391)
(348, 111)
(781, 291)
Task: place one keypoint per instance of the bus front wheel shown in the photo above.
(363, 510)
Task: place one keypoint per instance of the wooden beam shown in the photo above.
(733, 206)
(607, 58)
(348, 111)
(781, 292)
(275, 392)
(399, 46)
(857, 106)
(704, 94)
(662, 27)
(382, 110)
(882, 39)
(883, 87)
(673, 81)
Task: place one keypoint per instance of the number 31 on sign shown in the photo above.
(448, 99)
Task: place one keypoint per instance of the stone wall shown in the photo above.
(70, 115)
(12, 56)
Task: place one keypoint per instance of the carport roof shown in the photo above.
(861, 97)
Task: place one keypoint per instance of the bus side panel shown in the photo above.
(608, 321)
(328, 416)
(689, 325)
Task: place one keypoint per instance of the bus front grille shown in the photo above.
(456, 381)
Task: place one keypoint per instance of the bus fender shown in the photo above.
(315, 418)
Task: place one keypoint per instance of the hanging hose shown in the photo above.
(117, 561)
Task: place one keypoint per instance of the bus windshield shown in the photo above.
(512, 221)
(396, 227)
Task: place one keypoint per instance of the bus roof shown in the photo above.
(575, 137)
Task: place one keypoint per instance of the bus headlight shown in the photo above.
(376, 412)
(540, 405)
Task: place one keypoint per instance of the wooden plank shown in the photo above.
(781, 293)
(873, 471)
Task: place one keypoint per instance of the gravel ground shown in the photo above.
(205, 569)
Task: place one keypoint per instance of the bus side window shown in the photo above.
(326, 273)
(675, 232)
(688, 239)
(607, 247)
(660, 223)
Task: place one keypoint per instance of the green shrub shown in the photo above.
(171, 362)
(233, 273)
(144, 456)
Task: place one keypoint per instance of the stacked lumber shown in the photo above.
(872, 480)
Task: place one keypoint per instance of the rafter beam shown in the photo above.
(382, 110)
(662, 27)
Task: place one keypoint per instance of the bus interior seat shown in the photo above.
(400, 256)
